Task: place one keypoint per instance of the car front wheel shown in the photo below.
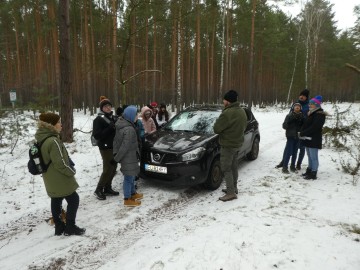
(215, 177)
(253, 154)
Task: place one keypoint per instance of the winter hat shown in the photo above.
(153, 104)
(231, 96)
(50, 118)
(316, 101)
(104, 101)
(305, 93)
(130, 113)
(297, 104)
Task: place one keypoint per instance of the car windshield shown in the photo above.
(194, 121)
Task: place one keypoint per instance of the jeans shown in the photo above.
(291, 149)
(229, 167)
(313, 158)
(301, 152)
(128, 186)
(72, 207)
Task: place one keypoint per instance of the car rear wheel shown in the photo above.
(215, 177)
(253, 154)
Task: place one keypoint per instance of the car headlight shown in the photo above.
(193, 154)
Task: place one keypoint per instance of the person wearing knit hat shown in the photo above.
(311, 135)
(104, 133)
(50, 118)
(230, 126)
(104, 101)
(316, 101)
(59, 178)
(231, 96)
(305, 93)
(292, 124)
(304, 102)
(126, 152)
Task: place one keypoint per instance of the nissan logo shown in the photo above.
(156, 157)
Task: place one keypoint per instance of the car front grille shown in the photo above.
(162, 158)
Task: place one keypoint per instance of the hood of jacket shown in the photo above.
(130, 113)
(45, 130)
(145, 109)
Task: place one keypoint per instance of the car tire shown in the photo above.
(253, 154)
(215, 178)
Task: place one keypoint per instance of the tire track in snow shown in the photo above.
(91, 252)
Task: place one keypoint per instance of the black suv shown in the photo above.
(186, 150)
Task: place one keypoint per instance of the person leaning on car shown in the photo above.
(230, 126)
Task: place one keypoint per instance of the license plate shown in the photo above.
(157, 169)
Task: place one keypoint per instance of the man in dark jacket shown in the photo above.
(230, 126)
(104, 132)
(311, 134)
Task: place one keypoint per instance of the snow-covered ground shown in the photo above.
(278, 221)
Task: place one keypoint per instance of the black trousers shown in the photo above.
(72, 207)
(109, 169)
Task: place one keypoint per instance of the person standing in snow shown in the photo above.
(104, 132)
(126, 152)
(311, 135)
(147, 120)
(292, 124)
(59, 179)
(304, 102)
(230, 126)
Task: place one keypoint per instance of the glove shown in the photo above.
(113, 162)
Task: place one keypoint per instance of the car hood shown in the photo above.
(177, 140)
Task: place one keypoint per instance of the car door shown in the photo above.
(248, 134)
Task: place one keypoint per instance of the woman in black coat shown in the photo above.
(311, 134)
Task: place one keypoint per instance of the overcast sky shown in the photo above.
(343, 9)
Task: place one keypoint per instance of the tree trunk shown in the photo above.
(66, 112)
(198, 58)
(251, 63)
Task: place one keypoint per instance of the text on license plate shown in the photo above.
(157, 169)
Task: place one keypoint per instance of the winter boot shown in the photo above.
(110, 192)
(137, 196)
(131, 203)
(298, 166)
(228, 197)
(59, 228)
(308, 171)
(311, 176)
(279, 165)
(225, 190)
(72, 229)
(285, 170)
(99, 194)
(292, 168)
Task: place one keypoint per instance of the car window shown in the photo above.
(194, 121)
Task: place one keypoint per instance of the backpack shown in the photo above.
(94, 141)
(36, 164)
